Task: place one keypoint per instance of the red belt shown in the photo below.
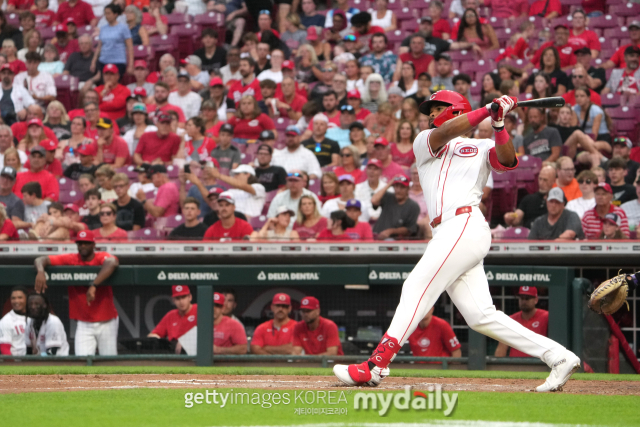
(437, 220)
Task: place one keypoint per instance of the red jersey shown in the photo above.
(48, 182)
(567, 57)
(618, 57)
(114, 104)
(592, 223)
(538, 324)
(204, 150)
(44, 18)
(9, 229)
(173, 326)
(239, 230)
(119, 234)
(54, 168)
(362, 114)
(507, 8)
(21, 4)
(519, 50)
(82, 13)
(239, 89)
(318, 340)
(586, 39)
(362, 231)
(214, 130)
(228, 332)
(19, 130)
(570, 97)
(117, 149)
(403, 159)
(102, 308)
(439, 27)
(436, 340)
(295, 104)
(267, 334)
(552, 6)
(251, 128)
(628, 83)
(153, 109)
(358, 174)
(421, 63)
(18, 66)
(66, 50)
(326, 234)
(151, 147)
(392, 170)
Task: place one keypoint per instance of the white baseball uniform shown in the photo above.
(452, 178)
(51, 334)
(13, 327)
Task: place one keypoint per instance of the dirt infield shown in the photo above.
(48, 383)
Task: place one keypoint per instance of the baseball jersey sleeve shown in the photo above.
(237, 334)
(161, 328)
(297, 335)
(492, 158)
(6, 336)
(258, 336)
(332, 338)
(56, 335)
(422, 148)
(449, 340)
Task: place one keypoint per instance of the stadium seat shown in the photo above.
(497, 23)
(314, 185)
(247, 158)
(146, 234)
(130, 172)
(526, 180)
(410, 25)
(212, 20)
(176, 18)
(67, 184)
(257, 222)
(406, 14)
(606, 21)
(622, 113)
(504, 195)
(396, 36)
(67, 87)
(147, 53)
(617, 33)
(172, 171)
(516, 233)
(530, 162)
(186, 34)
(85, 29)
(169, 222)
(611, 100)
(47, 33)
(68, 196)
(282, 123)
(167, 43)
(13, 19)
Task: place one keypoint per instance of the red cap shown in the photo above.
(140, 91)
(62, 28)
(87, 150)
(287, 64)
(215, 161)
(606, 187)
(282, 299)
(72, 207)
(312, 33)
(309, 303)
(179, 290)
(216, 81)
(375, 162)
(402, 180)
(49, 144)
(70, 20)
(140, 63)
(354, 93)
(7, 66)
(381, 140)
(110, 68)
(85, 236)
(34, 122)
(218, 298)
(528, 290)
(216, 190)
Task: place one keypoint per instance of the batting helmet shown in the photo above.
(457, 103)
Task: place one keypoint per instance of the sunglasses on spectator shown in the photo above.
(294, 174)
(576, 76)
(265, 12)
(345, 155)
(582, 181)
(106, 213)
(349, 38)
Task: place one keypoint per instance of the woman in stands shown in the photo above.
(541, 86)
(51, 61)
(402, 149)
(350, 163)
(592, 119)
(337, 224)
(250, 121)
(33, 43)
(277, 228)
(352, 70)
(410, 113)
(295, 35)
(141, 125)
(306, 60)
(573, 137)
(7, 229)
(490, 84)
(358, 139)
(374, 92)
(550, 65)
(35, 134)
(68, 147)
(383, 17)
(197, 146)
(407, 83)
(329, 187)
(109, 229)
(57, 120)
(308, 221)
(9, 32)
(12, 158)
(319, 46)
(114, 45)
(139, 35)
(472, 31)
(212, 122)
(334, 35)
(382, 123)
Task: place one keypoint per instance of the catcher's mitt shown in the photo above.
(612, 294)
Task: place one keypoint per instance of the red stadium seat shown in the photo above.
(85, 29)
(563, 20)
(394, 4)
(168, 43)
(212, 20)
(396, 36)
(186, 34)
(67, 184)
(406, 14)
(176, 18)
(477, 68)
(419, 4)
(282, 123)
(530, 162)
(146, 234)
(629, 9)
(606, 21)
(13, 19)
(497, 23)
(257, 222)
(410, 25)
(617, 33)
(504, 195)
(611, 100)
(170, 222)
(67, 87)
(130, 172)
(461, 55)
(69, 196)
(622, 113)
(314, 185)
(516, 233)
(172, 171)
(246, 158)
(47, 33)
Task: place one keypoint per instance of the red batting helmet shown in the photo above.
(457, 103)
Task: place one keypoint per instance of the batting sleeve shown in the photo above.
(332, 339)
(258, 337)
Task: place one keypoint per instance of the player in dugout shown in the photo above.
(434, 337)
(315, 334)
(92, 306)
(275, 336)
(178, 321)
(229, 336)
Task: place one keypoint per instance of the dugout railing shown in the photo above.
(564, 300)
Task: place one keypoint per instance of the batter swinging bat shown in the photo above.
(553, 102)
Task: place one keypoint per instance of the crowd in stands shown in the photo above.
(226, 119)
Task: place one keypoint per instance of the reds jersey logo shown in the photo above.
(535, 324)
(466, 151)
(285, 329)
(191, 318)
(108, 98)
(424, 342)
(254, 123)
(320, 338)
(567, 50)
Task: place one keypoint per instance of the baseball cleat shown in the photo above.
(560, 373)
(358, 375)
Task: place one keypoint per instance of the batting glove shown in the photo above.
(506, 104)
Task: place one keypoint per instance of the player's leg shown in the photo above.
(470, 293)
(85, 339)
(108, 337)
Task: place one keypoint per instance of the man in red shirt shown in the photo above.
(161, 96)
(508, 8)
(579, 36)
(626, 81)
(81, 12)
(315, 335)
(53, 165)
(34, 111)
(92, 306)
(546, 9)
(36, 172)
(65, 44)
(161, 144)
(593, 219)
(532, 318)
(228, 226)
(617, 60)
(179, 321)
(363, 30)
(167, 201)
(112, 149)
(249, 85)
(561, 44)
(289, 102)
(276, 335)
(434, 337)
(229, 336)
(390, 169)
(422, 62)
(355, 100)
(113, 95)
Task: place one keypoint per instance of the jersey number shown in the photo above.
(19, 329)
(454, 342)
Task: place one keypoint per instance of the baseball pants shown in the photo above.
(453, 262)
(100, 335)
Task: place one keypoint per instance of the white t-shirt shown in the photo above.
(301, 159)
(190, 103)
(338, 205)
(227, 75)
(41, 85)
(580, 206)
(632, 209)
(51, 334)
(383, 22)
(250, 204)
(271, 75)
(133, 190)
(284, 199)
(364, 193)
(13, 328)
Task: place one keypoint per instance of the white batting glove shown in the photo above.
(506, 104)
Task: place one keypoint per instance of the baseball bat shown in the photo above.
(553, 102)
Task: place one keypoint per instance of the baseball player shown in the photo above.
(434, 337)
(179, 321)
(276, 335)
(229, 336)
(535, 319)
(13, 326)
(46, 331)
(453, 172)
(315, 334)
(92, 306)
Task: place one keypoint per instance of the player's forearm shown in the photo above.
(41, 263)
(504, 149)
(235, 349)
(501, 350)
(457, 127)
(109, 266)
(279, 349)
(331, 351)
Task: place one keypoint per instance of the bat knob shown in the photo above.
(495, 107)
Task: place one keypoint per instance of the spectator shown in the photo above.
(289, 102)
(611, 227)
(141, 72)
(337, 224)
(329, 187)
(160, 145)
(440, 27)
(361, 230)
(292, 195)
(212, 200)
(507, 9)
(112, 149)
(434, 337)
(43, 15)
(189, 102)
(161, 96)
(211, 56)
(34, 206)
(383, 153)
(294, 34)
(198, 147)
(532, 318)
(417, 195)
(178, 322)
(422, 62)
(621, 147)
(309, 222)
(365, 190)
(462, 84)
(407, 82)
(533, 205)
(363, 30)
(201, 176)
(231, 72)
(228, 226)
(33, 43)
(395, 99)
(13, 204)
(249, 121)
(594, 78)
(625, 80)
(249, 85)
(109, 229)
(490, 84)
(402, 151)
(6, 143)
(559, 224)
(572, 137)
(563, 52)
(325, 150)
(268, 103)
(444, 78)
(113, 95)
(19, 96)
(40, 84)
(350, 163)
(579, 79)
(631, 208)
(9, 50)
(139, 35)
(53, 165)
(384, 17)
(593, 219)
(130, 215)
(229, 336)
(309, 16)
(7, 230)
(472, 30)
(277, 228)
(382, 124)
(144, 181)
(34, 135)
(434, 45)
(294, 155)
(579, 36)
(226, 154)
(544, 142)
(192, 229)
(315, 335)
(87, 154)
(270, 176)
(592, 118)
(115, 45)
(617, 172)
(81, 12)
(424, 89)
(355, 100)
(57, 120)
(12, 158)
(548, 9)
(399, 214)
(64, 44)
(274, 71)
(198, 79)
(566, 180)
(225, 107)
(103, 177)
(78, 64)
(167, 201)
(347, 185)
(383, 61)
(275, 336)
(36, 172)
(248, 194)
(141, 125)
(93, 201)
(587, 181)
(13, 339)
(617, 60)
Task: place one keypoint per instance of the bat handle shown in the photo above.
(495, 107)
